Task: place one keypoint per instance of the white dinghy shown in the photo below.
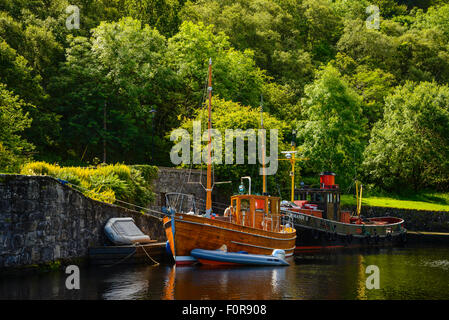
(123, 231)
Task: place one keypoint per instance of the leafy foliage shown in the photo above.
(232, 115)
(236, 76)
(13, 148)
(332, 135)
(410, 147)
(136, 69)
(128, 77)
(105, 183)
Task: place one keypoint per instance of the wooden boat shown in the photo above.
(254, 228)
(316, 213)
(253, 223)
(220, 257)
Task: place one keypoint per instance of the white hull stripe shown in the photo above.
(247, 233)
(185, 259)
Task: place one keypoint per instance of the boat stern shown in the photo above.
(170, 230)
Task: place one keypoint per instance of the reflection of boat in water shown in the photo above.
(253, 222)
(226, 283)
(317, 215)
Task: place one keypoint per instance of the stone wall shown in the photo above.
(186, 181)
(42, 220)
(415, 220)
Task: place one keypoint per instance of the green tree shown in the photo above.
(408, 54)
(373, 85)
(285, 36)
(410, 147)
(161, 14)
(368, 46)
(232, 115)
(41, 46)
(16, 72)
(281, 102)
(390, 8)
(120, 68)
(19, 76)
(423, 55)
(323, 28)
(13, 148)
(435, 17)
(235, 75)
(333, 134)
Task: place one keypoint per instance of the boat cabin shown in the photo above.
(256, 211)
(324, 201)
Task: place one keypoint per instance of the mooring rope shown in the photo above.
(155, 262)
(124, 259)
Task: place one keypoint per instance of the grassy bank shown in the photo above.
(422, 201)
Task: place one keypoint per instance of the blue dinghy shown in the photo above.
(219, 257)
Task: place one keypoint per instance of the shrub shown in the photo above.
(107, 183)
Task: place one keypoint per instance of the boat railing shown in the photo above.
(181, 202)
(287, 221)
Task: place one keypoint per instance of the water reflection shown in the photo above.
(405, 273)
(200, 282)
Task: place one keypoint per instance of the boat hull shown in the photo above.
(231, 258)
(187, 232)
(309, 240)
(315, 233)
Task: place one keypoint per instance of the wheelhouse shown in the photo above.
(326, 198)
(256, 211)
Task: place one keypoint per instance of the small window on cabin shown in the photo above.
(234, 204)
(269, 206)
(244, 204)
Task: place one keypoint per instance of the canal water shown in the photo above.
(404, 273)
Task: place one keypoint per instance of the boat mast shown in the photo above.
(209, 160)
(293, 166)
(358, 192)
(264, 182)
(290, 156)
